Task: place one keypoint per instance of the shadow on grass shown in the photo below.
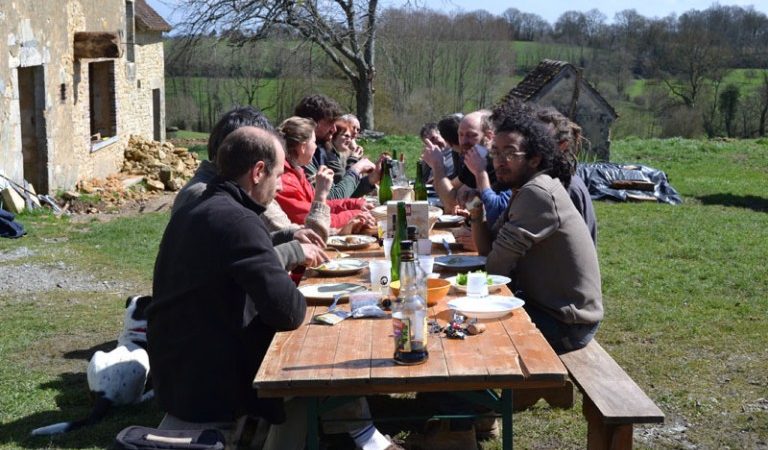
(87, 353)
(752, 202)
(73, 402)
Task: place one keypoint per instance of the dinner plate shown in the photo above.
(497, 281)
(488, 307)
(460, 262)
(351, 241)
(326, 291)
(340, 267)
(449, 219)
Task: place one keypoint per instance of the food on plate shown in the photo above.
(461, 279)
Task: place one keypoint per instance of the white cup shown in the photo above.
(477, 284)
(380, 272)
(387, 246)
(427, 263)
(424, 246)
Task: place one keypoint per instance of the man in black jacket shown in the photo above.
(219, 291)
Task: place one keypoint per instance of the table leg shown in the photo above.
(506, 419)
(313, 428)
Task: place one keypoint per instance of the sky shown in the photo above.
(550, 10)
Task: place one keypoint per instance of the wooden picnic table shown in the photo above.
(355, 357)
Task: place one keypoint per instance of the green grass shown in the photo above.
(684, 290)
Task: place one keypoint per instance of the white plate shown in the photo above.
(460, 262)
(489, 307)
(450, 219)
(326, 291)
(437, 239)
(351, 241)
(343, 266)
(497, 281)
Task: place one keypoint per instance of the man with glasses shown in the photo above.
(541, 241)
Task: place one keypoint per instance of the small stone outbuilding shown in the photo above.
(77, 79)
(561, 85)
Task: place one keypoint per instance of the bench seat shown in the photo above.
(613, 402)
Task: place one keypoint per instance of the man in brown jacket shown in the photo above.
(541, 241)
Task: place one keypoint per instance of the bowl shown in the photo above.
(437, 289)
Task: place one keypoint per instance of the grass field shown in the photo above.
(684, 289)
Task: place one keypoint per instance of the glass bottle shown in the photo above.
(421, 274)
(419, 188)
(409, 314)
(385, 185)
(400, 235)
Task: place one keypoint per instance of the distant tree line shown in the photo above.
(430, 63)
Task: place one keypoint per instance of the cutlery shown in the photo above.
(447, 247)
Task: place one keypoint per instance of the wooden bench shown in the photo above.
(612, 401)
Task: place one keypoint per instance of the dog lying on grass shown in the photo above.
(118, 377)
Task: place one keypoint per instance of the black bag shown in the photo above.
(144, 438)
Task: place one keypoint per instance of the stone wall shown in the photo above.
(41, 33)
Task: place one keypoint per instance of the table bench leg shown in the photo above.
(313, 426)
(506, 419)
(601, 436)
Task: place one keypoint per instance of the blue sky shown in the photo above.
(549, 10)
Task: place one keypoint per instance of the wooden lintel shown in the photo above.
(96, 44)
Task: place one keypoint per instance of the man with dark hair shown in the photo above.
(541, 241)
(324, 111)
(294, 245)
(430, 132)
(219, 290)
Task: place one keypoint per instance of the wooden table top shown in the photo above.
(354, 357)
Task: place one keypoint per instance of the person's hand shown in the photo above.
(323, 183)
(363, 167)
(308, 236)
(464, 237)
(357, 151)
(465, 194)
(359, 224)
(475, 162)
(375, 176)
(313, 255)
(432, 154)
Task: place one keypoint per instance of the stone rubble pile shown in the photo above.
(161, 166)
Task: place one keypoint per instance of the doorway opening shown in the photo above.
(33, 130)
(156, 123)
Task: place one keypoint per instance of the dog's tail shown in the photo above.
(100, 409)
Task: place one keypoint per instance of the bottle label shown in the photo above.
(402, 333)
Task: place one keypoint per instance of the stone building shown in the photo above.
(77, 79)
(561, 85)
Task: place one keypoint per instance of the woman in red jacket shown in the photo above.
(297, 194)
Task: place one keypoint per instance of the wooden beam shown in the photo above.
(97, 44)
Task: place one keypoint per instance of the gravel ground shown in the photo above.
(22, 277)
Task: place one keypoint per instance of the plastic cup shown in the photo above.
(382, 227)
(387, 247)
(477, 284)
(427, 263)
(380, 272)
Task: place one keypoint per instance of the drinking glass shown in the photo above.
(387, 246)
(477, 284)
(380, 271)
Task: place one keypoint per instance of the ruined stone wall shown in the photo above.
(34, 33)
(591, 114)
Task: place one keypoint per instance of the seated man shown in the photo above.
(475, 134)
(220, 294)
(219, 290)
(541, 242)
(430, 132)
(294, 244)
(325, 111)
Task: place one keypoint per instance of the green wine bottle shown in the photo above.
(385, 185)
(401, 231)
(419, 188)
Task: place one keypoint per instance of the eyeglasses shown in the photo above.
(504, 156)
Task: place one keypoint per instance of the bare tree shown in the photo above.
(344, 29)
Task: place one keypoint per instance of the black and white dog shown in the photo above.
(120, 376)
